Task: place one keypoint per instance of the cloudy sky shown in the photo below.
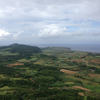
(50, 21)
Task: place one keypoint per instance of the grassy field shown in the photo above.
(6, 53)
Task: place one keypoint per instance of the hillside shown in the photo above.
(19, 51)
(52, 73)
(20, 48)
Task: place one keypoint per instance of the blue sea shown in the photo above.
(78, 47)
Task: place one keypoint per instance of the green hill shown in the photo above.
(21, 49)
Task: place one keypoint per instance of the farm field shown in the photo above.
(56, 70)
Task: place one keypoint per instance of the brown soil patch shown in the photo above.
(68, 71)
(81, 93)
(82, 88)
(95, 61)
(94, 75)
(31, 79)
(15, 64)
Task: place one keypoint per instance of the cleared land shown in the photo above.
(68, 71)
(15, 64)
(82, 88)
(95, 61)
(94, 75)
(81, 93)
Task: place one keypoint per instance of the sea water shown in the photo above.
(77, 47)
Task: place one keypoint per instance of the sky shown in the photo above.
(49, 22)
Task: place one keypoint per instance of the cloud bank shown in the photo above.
(49, 19)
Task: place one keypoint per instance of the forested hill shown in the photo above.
(21, 49)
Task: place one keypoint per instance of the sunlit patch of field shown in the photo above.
(68, 71)
(79, 79)
(23, 60)
(6, 53)
(80, 87)
(15, 64)
(27, 60)
(58, 83)
(95, 61)
(30, 71)
(66, 66)
(82, 73)
(39, 62)
(94, 75)
(2, 76)
(69, 82)
(97, 56)
(4, 90)
(24, 68)
(17, 79)
(32, 59)
(94, 84)
(81, 93)
(87, 77)
(80, 53)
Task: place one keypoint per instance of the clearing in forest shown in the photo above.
(95, 61)
(15, 64)
(68, 71)
(81, 93)
(94, 75)
(82, 88)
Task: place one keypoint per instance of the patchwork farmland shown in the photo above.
(54, 72)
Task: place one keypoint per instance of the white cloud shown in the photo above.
(6, 35)
(15, 36)
(52, 31)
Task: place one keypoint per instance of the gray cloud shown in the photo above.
(31, 16)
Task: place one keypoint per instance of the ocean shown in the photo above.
(95, 48)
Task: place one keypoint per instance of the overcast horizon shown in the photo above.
(50, 22)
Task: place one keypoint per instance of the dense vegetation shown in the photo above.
(31, 73)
